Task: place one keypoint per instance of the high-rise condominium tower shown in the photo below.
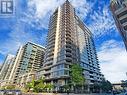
(29, 58)
(69, 41)
(6, 67)
(119, 10)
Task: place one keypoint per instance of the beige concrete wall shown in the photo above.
(56, 39)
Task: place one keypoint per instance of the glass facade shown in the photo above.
(26, 57)
(88, 57)
(69, 41)
(30, 60)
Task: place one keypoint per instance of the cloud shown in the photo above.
(1, 61)
(113, 60)
(36, 17)
(102, 22)
(83, 7)
(39, 11)
(21, 33)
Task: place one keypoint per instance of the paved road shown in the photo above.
(74, 94)
(122, 94)
(66, 94)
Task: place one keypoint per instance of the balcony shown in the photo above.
(48, 62)
(47, 72)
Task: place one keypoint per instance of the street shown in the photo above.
(69, 94)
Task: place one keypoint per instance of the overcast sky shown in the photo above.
(30, 23)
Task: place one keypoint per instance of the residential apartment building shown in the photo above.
(6, 66)
(119, 11)
(69, 41)
(6, 69)
(29, 59)
(6, 78)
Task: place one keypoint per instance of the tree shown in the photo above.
(76, 75)
(66, 87)
(96, 87)
(39, 85)
(49, 87)
(30, 85)
(124, 84)
(10, 87)
(106, 86)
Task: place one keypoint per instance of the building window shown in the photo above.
(125, 27)
(66, 72)
(91, 76)
(123, 20)
(61, 72)
(122, 14)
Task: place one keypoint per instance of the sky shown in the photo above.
(30, 23)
